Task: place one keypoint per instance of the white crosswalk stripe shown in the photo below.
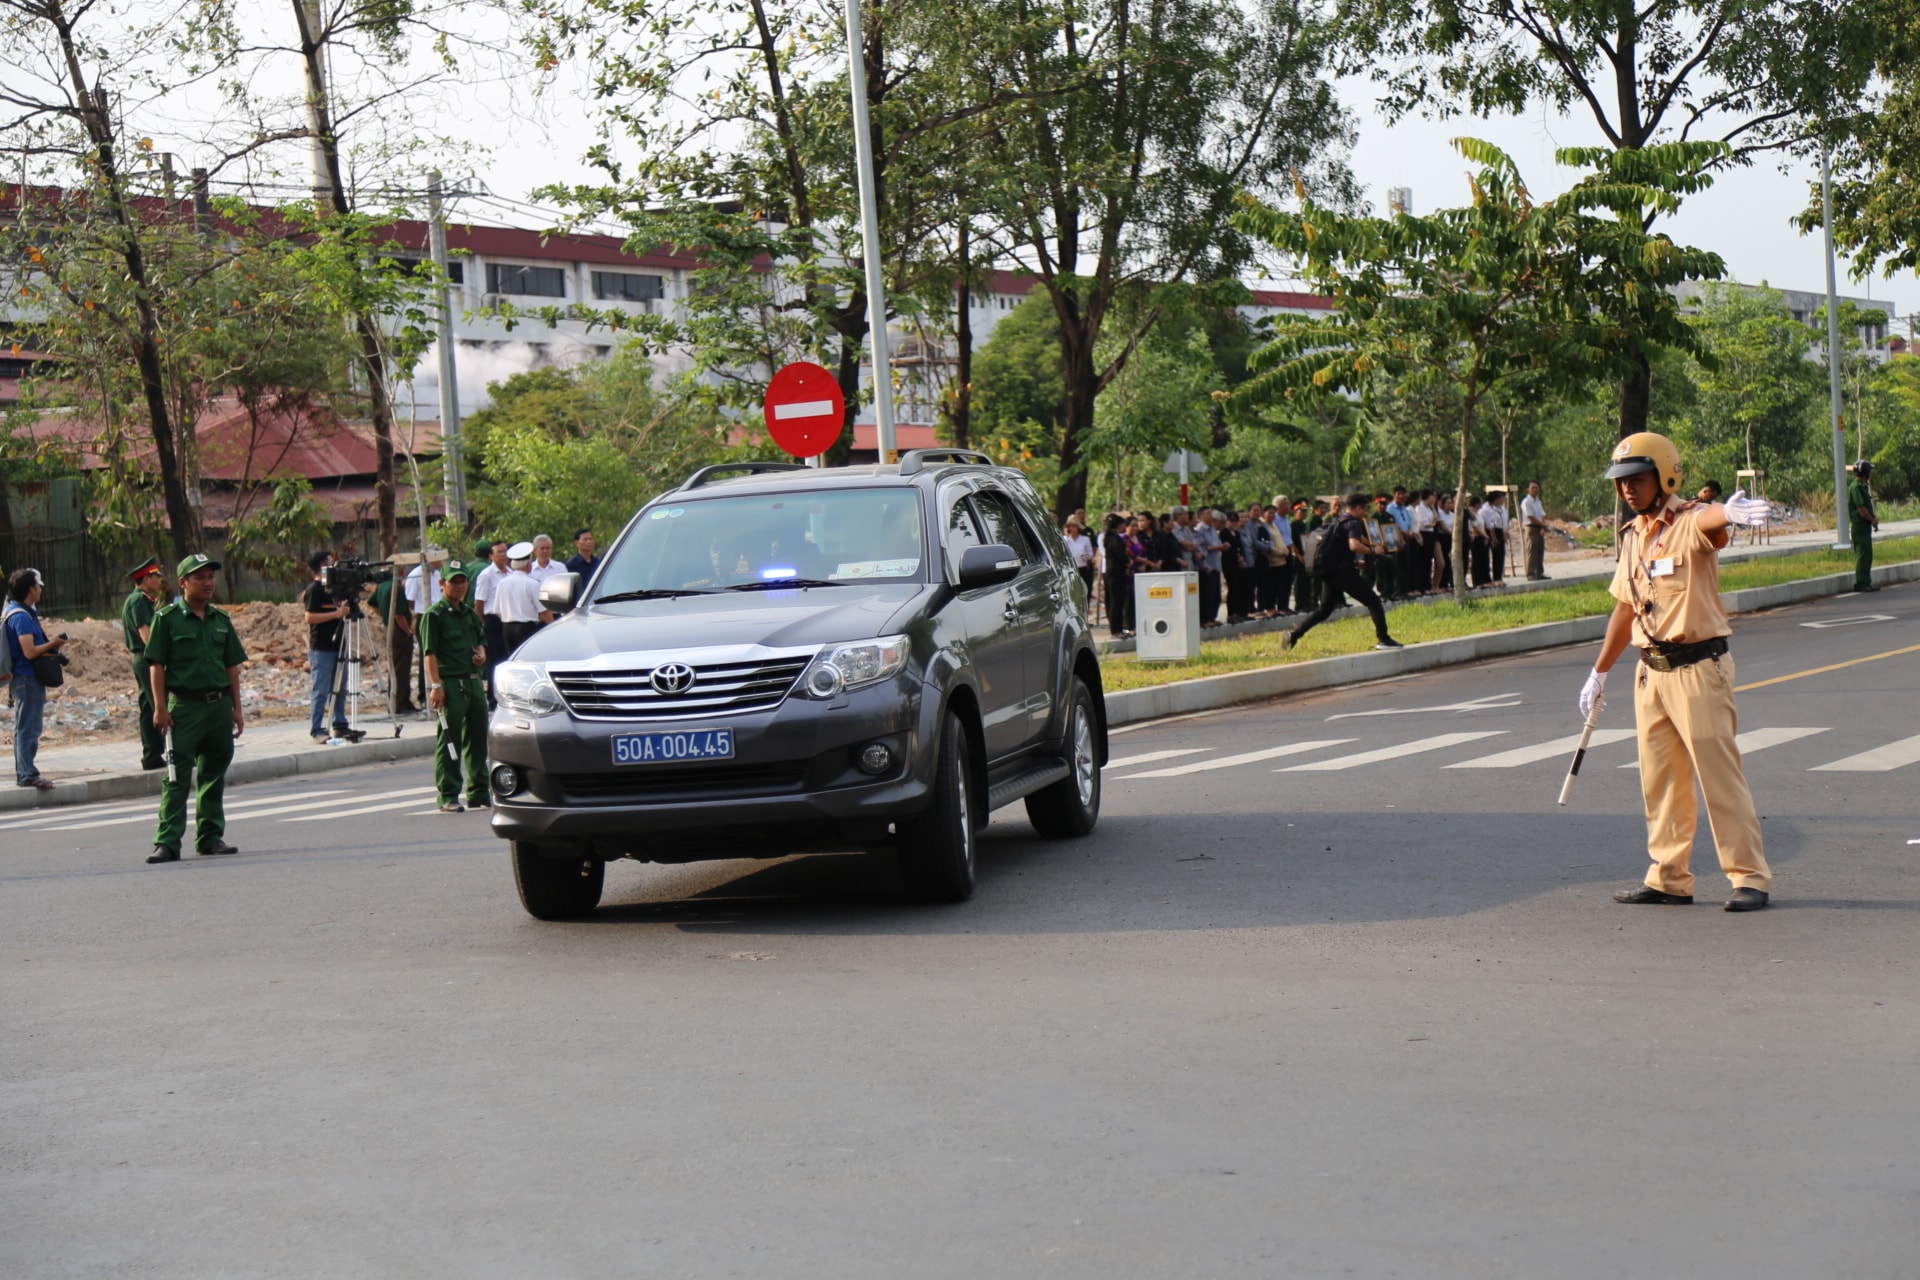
(1436, 743)
(1894, 755)
(1228, 762)
(1558, 749)
(1759, 740)
(1148, 757)
(66, 813)
(234, 809)
(413, 794)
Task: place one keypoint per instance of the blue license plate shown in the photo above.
(663, 748)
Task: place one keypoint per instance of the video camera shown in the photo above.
(346, 579)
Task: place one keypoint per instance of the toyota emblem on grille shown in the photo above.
(674, 677)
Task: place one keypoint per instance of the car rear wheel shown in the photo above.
(937, 848)
(1071, 806)
(556, 888)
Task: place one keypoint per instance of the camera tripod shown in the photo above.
(349, 651)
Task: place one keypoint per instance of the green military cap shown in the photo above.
(482, 549)
(150, 565)
(193, 564)
(454, 569)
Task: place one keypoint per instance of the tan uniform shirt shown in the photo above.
(1669, 573)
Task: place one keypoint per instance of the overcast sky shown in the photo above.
(1744, 216)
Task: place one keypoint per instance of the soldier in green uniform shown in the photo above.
(195, 658)
(1862, 524)
(454, 645)
(136, 624)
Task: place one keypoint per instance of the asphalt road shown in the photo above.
(1376, 1017)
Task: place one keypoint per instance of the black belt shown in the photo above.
(1671, 657)
(199, 695)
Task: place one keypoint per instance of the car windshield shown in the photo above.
(761, 540)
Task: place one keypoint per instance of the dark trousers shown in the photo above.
(400, 659)
(1415, 559)
(496, 650)
(1119, 603)
(1861, 534)
(1442, 560)
(1536, 552)
(153, 743)
(1497, 554)
(1349, 583)
(1477, 570)
(1239, 590)
(1209, 596)
(1274, 581)
(514, 634)
(1306, 590)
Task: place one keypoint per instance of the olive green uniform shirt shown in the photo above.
(402, 607)
(1858, 496)
(195, 651)
(449, 632)
(136, 613)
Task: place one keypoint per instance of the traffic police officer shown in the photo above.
(195, 655)
(1668, 591)
(453, 643)
(1862, 524)
(136, 626)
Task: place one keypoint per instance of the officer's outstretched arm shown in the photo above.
(233, 691)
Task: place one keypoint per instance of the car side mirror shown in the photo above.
(988, 566)
(558, 592)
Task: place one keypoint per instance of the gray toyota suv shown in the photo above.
(776, 659)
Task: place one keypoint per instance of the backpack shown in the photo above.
(1329, 553)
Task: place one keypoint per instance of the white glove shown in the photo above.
(1743, 510)
(1593, 693)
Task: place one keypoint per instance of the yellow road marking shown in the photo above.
(1818, 671)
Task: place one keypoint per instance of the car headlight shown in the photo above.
(524, 687)
(840, 667)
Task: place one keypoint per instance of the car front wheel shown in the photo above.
(556, 888)
(1071, 806)
(937, 848)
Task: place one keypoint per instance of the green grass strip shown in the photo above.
(1448, 621)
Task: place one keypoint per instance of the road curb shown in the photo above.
(280, 764)
(1209, 693)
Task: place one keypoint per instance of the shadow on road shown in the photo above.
(1157, 873)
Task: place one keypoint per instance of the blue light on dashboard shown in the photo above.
(774, 575)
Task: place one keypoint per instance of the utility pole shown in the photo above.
(318, 101)
(453, 466)
(1842, 535)
(870, 236)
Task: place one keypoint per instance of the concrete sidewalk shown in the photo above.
(92, 772)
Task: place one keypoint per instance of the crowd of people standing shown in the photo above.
(1256, 563)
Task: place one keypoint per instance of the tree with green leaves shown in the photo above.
(1761, 402)
(1753, 75)
(1876, 152)
(1474, 296)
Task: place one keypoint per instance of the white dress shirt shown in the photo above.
(421, 600)
(541, 572)
(1532, 511)
(484, 587)
(517, 597)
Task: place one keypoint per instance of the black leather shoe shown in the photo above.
(1644, 896)
(163, 854)
(1747, 900)
(218, 846)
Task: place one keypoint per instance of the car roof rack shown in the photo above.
(705, 474)
(914, 461)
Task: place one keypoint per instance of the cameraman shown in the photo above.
(324, 617)
(26, 641)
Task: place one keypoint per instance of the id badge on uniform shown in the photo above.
(1661, 568)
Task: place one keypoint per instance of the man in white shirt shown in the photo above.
(485, 585)
(516, 597)
(544, 566)
(1494, 517)
(1533, 522)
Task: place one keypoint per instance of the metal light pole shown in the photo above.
(1843, 538)
(453, 467)
(870, 236)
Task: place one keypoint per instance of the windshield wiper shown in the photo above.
(776, 584)
(653, 593)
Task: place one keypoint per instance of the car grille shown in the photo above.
(718, 688)
(643, 783)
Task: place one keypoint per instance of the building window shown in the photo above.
(536, 282)
(626, 286)
(456, 270)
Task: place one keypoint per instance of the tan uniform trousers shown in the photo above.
(1687, 726)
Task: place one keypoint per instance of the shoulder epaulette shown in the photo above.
(166, 609)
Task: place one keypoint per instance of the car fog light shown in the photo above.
(825, 681)
(506, 780)
(874, 758)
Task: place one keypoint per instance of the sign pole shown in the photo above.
(1842, 528)
(870, 236)
(1183, 477)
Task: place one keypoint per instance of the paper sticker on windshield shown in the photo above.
(877, 568)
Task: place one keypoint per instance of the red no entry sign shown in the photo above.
(804, 409)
